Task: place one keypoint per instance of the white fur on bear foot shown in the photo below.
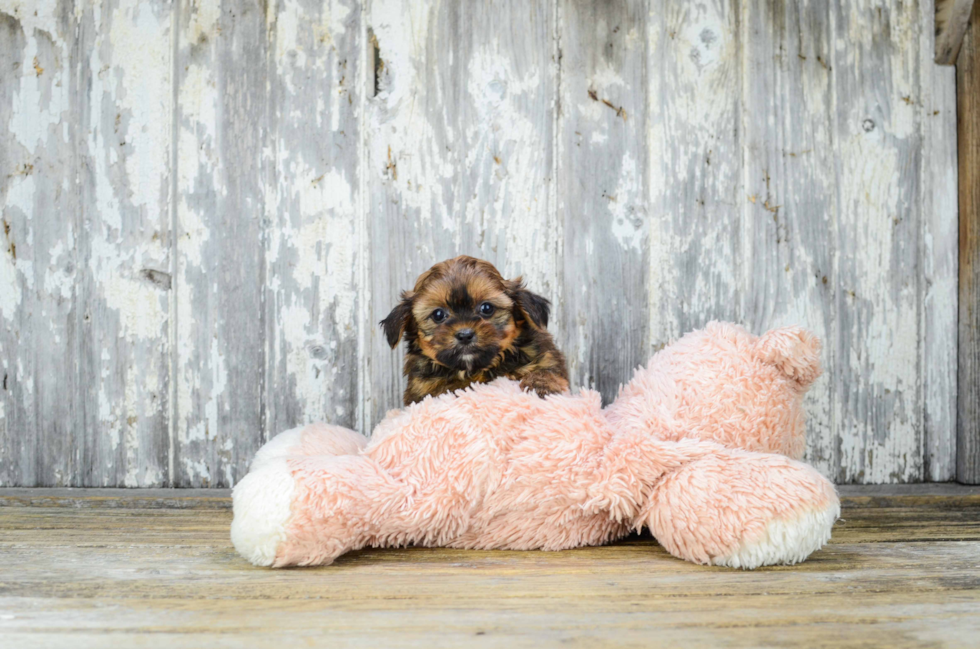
(262, 504)
(283, 444)
(785, 541)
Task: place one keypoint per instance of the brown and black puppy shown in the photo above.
(464, 323)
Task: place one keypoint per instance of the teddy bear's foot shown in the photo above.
(784, 540)
(262, 504)
(263, 500)
(309, 510)
(742, 510)
(311, 439)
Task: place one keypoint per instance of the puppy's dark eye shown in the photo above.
(439, 315)
(486, 309)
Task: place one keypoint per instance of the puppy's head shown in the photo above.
(462, 314)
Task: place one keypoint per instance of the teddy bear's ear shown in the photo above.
(794, 350)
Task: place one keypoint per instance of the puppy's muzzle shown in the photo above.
(465, 336)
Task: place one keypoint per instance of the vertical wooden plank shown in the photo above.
(312, 299)
(38, 208)
(948, 22)
(788, 205)
(968, 140)
(602, 190)
(459, 137)
(695, 179)
(411, 163)
(936, 107)
(879, 400)
(222, 125)
(93, 144)
(124, 62)
(504, 80)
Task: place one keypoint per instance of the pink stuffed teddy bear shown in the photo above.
(699, 447)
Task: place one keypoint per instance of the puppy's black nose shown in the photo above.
(465, 335)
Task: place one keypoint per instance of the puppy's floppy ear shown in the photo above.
(397, 321)
(535, 308)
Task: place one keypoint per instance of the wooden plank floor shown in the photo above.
(111, 568)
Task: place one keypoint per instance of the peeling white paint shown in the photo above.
(188, 380)
(58, 280)
(505, 140)
(295, 345)
(201, 373)
(202, 19)
(196, 471)
(324, 242)
(143, 94)
(29, 125)
(193, 234)
(209, 428)
(627, 223)
(10, 291)
(14, 272)
(140, 304)
(402, 134)
(693, 109)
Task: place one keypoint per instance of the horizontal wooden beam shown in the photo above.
(952, 17)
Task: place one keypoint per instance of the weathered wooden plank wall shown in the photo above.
(208, 206)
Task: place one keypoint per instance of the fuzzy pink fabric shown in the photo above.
(700, 447)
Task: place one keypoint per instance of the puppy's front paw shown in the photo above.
(544, 383)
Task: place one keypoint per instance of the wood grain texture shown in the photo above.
(87, 226)
(968, 140)
(115, 498)
(120, 427)
(603, 191)
(939, 258)
(904, 570)
(694, 98)
(37, 183)
(879, 406)
(951, 20)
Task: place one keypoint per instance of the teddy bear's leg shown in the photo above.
(311, 439)
(262, 504)
(742, 510)
(303, 511)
